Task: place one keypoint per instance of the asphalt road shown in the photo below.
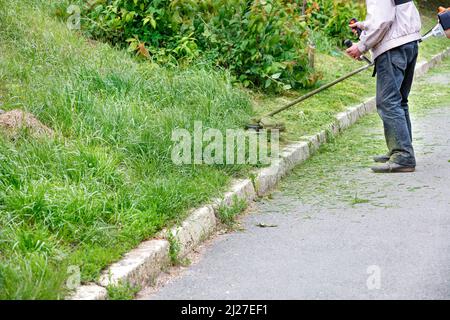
(397, 247)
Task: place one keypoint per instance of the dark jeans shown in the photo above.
(395, 72)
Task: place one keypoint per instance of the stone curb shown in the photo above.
(139, 266)
(142, 265)
(197, 227)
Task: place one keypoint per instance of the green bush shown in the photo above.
(263, 42)
(332, 17)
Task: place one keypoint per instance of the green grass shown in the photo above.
(122, 292)
(106, 181)
(227, 215)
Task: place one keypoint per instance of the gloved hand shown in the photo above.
(447, 11)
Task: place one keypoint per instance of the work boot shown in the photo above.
(390, 167)
(382, 159)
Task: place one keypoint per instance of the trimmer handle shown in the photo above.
(348, 43)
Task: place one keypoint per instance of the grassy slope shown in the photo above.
(106, 182)
(315, 182)
(314, 114)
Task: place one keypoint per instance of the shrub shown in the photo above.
(332, 17)
(263, 42)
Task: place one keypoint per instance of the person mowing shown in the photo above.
(392, 33)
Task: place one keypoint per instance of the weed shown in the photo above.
(253, 177)
(262, 44)
(106, 181)
(174, 248)
(122, 291)
(227, 215)
(174, 252)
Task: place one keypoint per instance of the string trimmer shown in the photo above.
(265, 122)
(442, 29)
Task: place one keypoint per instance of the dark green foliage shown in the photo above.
(262, 42)
(332, 17)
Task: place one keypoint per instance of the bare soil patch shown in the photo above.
(13, 122)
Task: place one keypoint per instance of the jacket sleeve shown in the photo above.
(380, 16)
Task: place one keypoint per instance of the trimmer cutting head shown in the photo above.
(266, 124)
(254, 126)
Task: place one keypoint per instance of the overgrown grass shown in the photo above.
(106, 181)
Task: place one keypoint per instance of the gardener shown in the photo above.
(392, 32)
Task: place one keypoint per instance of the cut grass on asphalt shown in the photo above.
(316, 181)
